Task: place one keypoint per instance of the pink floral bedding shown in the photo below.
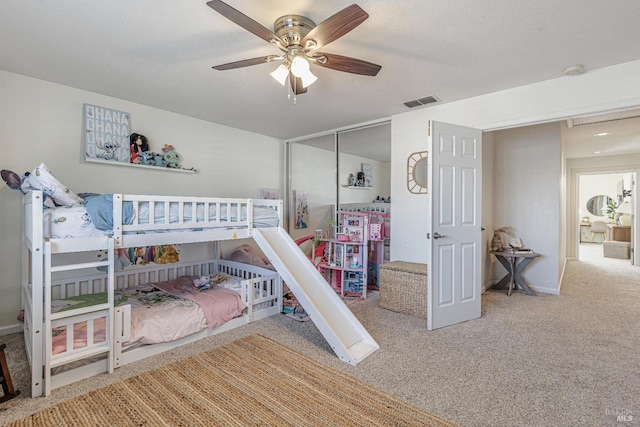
(163, 312)
(218, 304)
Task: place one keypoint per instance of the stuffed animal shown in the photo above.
(202, 283)
(158, 160)
(170, 157)
(500, 237)
(170, 255)
(146, 158)
(17, 182)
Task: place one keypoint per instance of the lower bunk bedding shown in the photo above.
(159, 314)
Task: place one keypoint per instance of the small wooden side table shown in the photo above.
(515, 262)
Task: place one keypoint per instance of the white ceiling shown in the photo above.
(160, 53)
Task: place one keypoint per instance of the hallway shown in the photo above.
(593, 253)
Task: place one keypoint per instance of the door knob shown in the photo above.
(437, 235)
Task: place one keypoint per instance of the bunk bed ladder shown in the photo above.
(86, 314)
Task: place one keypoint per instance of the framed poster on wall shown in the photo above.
(302, 209)
(106, 133)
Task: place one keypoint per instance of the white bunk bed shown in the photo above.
(56, 268)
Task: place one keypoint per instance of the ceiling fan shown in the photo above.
(299, 39)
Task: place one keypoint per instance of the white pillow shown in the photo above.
(69, 221)
(42, 179)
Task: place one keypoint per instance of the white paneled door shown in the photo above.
(454, 279)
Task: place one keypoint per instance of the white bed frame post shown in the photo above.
(32, 280)
(117, 224)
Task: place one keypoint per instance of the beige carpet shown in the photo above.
(251, 381)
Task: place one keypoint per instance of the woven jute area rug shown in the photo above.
(253, 381)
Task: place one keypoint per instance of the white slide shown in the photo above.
(343, 331)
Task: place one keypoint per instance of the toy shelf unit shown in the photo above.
(345, 262)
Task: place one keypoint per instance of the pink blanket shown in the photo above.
(59, 339)
(218, 304)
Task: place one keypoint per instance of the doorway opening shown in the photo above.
(604, 200)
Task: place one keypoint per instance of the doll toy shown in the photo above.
(138, 144)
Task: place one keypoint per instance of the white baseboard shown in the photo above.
(564, 268)
(545, 290)
(10, 329)
(535, 288)
(488, 285)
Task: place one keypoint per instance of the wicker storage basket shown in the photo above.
(403, 288)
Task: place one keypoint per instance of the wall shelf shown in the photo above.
(356, 187)
(138, 166)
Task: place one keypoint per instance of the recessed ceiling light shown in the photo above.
(602, 134)
(573, 70)
(597, 152)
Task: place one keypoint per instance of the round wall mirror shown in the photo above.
(417, 172)
(597, 205)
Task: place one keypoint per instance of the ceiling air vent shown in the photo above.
(422, 101)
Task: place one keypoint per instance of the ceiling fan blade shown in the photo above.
(336, 26)
(347, 64)
(296, 84)
(245, 63)
(242, 20)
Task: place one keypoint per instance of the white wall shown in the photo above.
(488, 150)
(526, 196)
(42, 121)
(411, 212)
(599, 90)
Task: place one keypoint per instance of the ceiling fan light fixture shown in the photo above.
(280, 74)
(308, 79)
(300, 68)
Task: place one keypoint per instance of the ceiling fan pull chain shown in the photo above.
(295, 90)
